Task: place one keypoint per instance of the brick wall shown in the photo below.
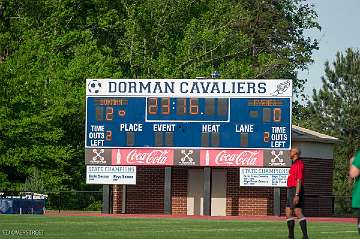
(246, 200)
(232, 192)
(117, 194)
(282, 201)
(148, 195)
(179, 190)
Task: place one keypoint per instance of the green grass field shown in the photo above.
(108, 227)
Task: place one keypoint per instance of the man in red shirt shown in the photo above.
(295, 194)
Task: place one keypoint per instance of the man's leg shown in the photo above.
(302, 222)
(289, 210)
(290, 220)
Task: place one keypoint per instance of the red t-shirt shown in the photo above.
(296, 172)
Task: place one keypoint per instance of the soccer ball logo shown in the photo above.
(94, 86)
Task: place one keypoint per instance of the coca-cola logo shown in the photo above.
(244, 158)
(154, 157)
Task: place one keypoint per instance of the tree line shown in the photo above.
(48, 48)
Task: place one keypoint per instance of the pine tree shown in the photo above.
(336, 111)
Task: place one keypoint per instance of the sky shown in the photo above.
(340, 23)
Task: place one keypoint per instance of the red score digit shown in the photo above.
(194, 106)
(152, 105)
(108, 135)
(266, 137)
(109, 113)
(277, 115)
(165, 106)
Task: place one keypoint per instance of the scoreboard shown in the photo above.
(192, 113)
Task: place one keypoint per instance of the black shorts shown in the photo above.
(290, 198)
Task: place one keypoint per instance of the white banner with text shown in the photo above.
(263, 177)
(110, 174)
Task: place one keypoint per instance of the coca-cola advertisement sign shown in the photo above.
(142, 157)
(232, 158)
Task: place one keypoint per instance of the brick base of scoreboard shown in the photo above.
(147, 196)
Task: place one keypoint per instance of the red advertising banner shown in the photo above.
(143, 157)
(232, 158)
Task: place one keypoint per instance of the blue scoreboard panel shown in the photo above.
(253, 114)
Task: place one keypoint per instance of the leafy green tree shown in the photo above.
(302, 115)
(34, 183)
(42, 108)
(335, 110)
(48, 48)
